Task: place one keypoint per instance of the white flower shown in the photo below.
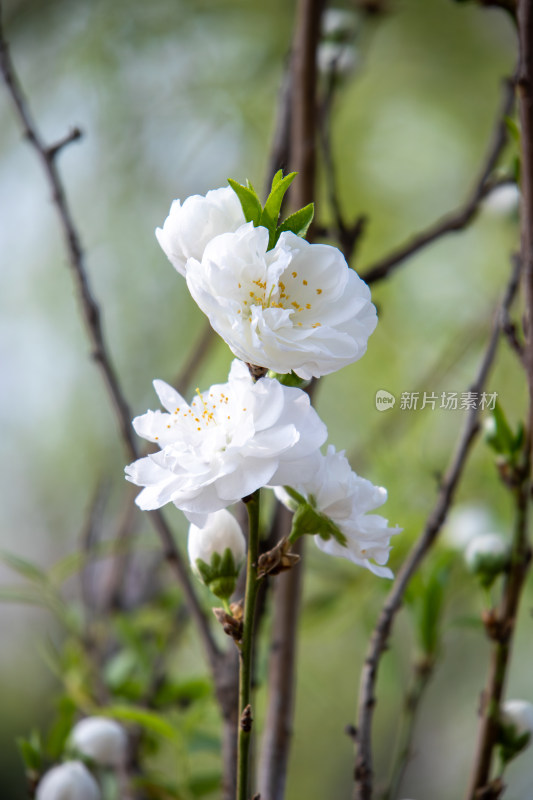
(518, 714)
(464, 523)
(217, 551)
(231, 440)
(101, 739)
(297, 307)
(487, 553)
(337, 57)
(345, 498)
(69, 781)
(189, 227)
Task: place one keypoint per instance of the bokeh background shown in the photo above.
(174, 97)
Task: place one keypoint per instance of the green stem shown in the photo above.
(245, 673)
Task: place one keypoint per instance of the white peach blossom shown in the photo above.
(342, 496)
(231, 440)
(189, 227)
(297, 307)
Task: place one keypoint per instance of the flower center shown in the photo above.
(279, 296)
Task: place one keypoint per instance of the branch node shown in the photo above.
(246, 719)
(53, 150)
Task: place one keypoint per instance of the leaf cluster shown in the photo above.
(267, 216)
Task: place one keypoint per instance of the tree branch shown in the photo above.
(90, 313)
(367, 699)
(506, 619)
(459, 219)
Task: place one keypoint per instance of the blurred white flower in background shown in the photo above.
(68, 781)
(338, 22)
(503, 201)
(487, 554)
(189, 227)
(337, 57)
(464, 522)
(297, 307)
(518, 714)
(102, 739)
(231, 440)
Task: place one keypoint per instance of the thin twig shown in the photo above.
(90, 312)
(378, 642)
(347, 235)
(422, 673)
(459, 219)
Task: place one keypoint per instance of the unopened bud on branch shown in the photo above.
(217, 551)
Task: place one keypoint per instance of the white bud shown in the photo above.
(101, 739)
(518, 714)
(487, 554)
(217, 551)
(69, 781)
(338, 22)
(503, 200)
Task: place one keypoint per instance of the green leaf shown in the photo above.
(23, 567)
(288, 379)
(277, 177)
(298, 222)
(500, 437)
(513, 129)
(250, 202)
(31, 751)
(183, 692)
(270, 215)
(307, 520)
(206, 783)
(146, 719)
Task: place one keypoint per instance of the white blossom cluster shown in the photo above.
(284, 305)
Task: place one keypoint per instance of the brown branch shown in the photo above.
(280, 152)
(347, 235)
(487, 735)
(282, 665)
(303, 82)
(90, 312)
(502, 629)
(459, 219)
(380, 636)
(196, 357)
(275, 746)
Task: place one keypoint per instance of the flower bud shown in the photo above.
(487, 556)
(338, 23)
(216, 552)
(69, 781)
(516, 727)
(101, 739)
